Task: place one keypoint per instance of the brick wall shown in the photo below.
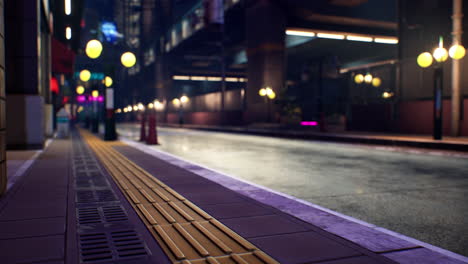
(3, 175)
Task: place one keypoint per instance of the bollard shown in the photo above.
(63, 123)
(143, 128)
(152, 138)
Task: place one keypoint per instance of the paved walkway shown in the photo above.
(98, 202)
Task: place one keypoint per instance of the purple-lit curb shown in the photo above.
(395, 246)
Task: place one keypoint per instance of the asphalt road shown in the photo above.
(421, 195)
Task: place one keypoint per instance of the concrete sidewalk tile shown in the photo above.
(214, 198)
(235, 210)
(32, 228)
(29, 250)
(28, 210)
(303, 247)
(200, 187)
(267, 225)
(421, 255)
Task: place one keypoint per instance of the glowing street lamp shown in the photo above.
(141, 107)
(93, 49)
(80, 89)
(359, 78)
(95, 94)
(269, 94)
(176, 102)
(368, 78)
(184, 99)
(85, 75)
(425, 60)
(457, 52)
(376, 82)
(108, 81)
(128, 59)
(440, 55)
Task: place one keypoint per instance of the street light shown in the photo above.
(457, 52)
(440, 55)
(80, 89)
(128, 59)
(85, 75)
(368, 78)
(184, 99)
(95, 94)
(93, 49)
(269, 95)
(176, 102)
(108, 81)
(359, 78)
(376, 82)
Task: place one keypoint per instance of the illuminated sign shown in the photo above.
(109, 30)
(94, 75)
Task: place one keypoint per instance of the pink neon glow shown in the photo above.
(80, 98)
(309, 123)
(100, 98)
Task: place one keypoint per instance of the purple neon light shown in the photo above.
(309, 123)
(80, 98)
(100, 98)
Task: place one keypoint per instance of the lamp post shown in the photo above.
(425, 60)
(269, 95)
(152, 138)
(179, 102)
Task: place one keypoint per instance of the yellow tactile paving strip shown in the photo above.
(185, 232)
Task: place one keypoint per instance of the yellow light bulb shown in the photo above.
(85, 75)
(93, 49)
(457, 52)
(368, 78)
(184, 99)
(272, 95)
(108, 81)
(424, 60)
(262, 92)
(80, 89)
(359, 78)
(95, 93)
(176, 101)
(440, 54)
(128, 59)
(376, 82)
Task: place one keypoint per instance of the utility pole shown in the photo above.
(456, 67)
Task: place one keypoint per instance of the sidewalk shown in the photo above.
(401, 140)
(89, 201)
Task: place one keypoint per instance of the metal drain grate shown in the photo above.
(104, 232)
(105, 195)
(85, 197)
(128, 243)
(115, 245)
(94, 247)
(114, 214)
(95, 196)
(101, 215)
(88, 216)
